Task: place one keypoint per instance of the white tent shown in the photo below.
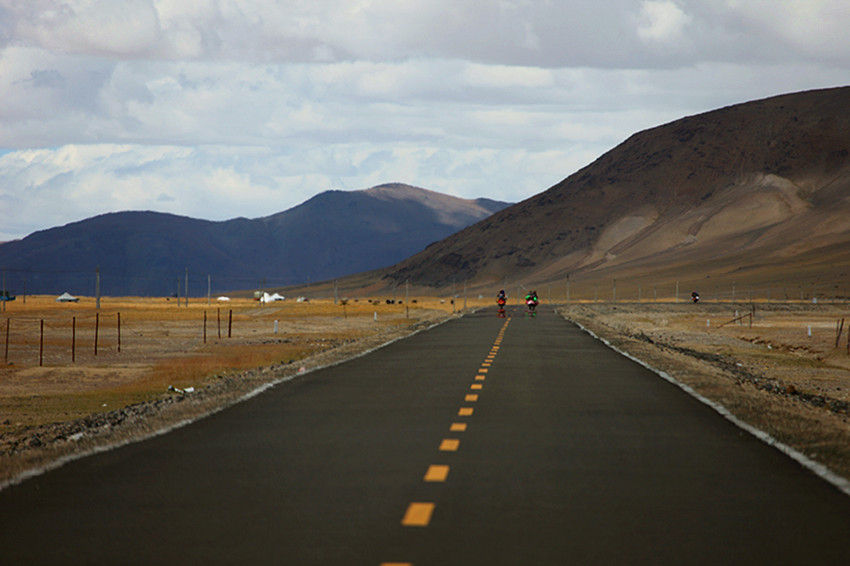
(67, 298)
(266, 298)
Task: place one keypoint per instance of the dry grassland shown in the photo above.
(53, 406)
(772, 375)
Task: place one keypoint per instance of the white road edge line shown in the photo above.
(839, 482)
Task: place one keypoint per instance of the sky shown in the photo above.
(217, 109)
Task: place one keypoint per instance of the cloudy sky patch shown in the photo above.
(223, 108)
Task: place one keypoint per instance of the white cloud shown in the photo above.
(126, 28)
(503, 76)
(662, 21)
(150, 103)
(812, 28)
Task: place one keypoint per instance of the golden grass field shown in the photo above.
(59, 377)
(60, 399)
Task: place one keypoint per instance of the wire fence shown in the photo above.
(101, 338)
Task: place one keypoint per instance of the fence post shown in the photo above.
(6, 355)
(119, 332)
(41, 345)
(205, 327)
(74, 339)
(230, 324)
(96, 330)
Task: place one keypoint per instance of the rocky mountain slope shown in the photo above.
(144, 253)
(757, 192)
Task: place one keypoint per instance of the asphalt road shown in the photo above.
(482, 441)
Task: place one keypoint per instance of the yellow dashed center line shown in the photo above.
(437, 473)
(418, 515)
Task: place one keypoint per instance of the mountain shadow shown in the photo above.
(333, 234)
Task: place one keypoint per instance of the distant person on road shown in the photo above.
(501, 300)
(695, 297)
(531, 301)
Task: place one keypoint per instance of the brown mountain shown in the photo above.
(758, 192)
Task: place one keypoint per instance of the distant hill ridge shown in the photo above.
(759, 190)
(333, 234)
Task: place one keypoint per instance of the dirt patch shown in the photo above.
(765, 368)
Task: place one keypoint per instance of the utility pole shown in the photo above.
(453, 294)
(97, 286)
